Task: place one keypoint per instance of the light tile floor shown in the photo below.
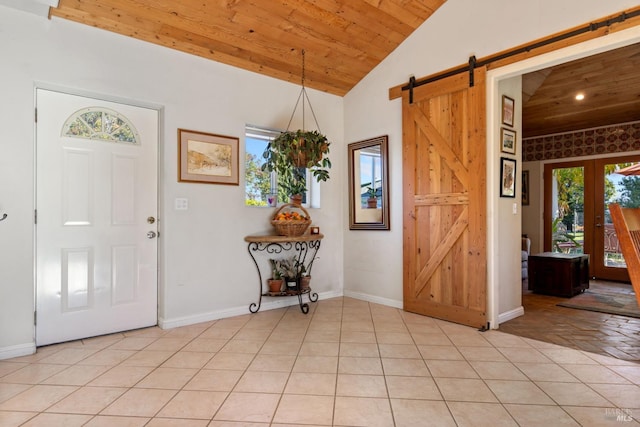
(346, 363)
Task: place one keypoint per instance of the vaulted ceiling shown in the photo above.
(343, 39)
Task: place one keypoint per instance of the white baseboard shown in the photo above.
(511, 314)
(374, 299)
(17, 350)
(268, 303)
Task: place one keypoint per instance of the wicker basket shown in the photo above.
(291, 227)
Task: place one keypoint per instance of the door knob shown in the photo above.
(151, 234)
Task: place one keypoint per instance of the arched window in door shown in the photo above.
(100, 124)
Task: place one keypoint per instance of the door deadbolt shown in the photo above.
(151, 220)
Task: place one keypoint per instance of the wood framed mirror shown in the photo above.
(369, 184)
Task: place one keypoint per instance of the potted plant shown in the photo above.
(372, 201)
(293, 151)
(294, 273)
(275, 283)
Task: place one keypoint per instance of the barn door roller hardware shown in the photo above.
(473, 63)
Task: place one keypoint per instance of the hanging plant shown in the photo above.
(294, 151)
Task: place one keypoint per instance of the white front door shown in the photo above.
(96, 245)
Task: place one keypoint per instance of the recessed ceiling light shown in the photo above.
(580, 96)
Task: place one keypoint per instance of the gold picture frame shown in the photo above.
(207, 158)
(508, 109)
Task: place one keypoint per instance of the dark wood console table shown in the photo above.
(304, 247)
(558, 274)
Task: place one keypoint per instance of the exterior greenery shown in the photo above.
(291, 153)
(570, 202)
(258, 182)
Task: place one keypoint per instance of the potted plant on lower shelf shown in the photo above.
(276, 281)
(294, 273)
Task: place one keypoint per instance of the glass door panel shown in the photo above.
(612, 187)
(567, 214)
(568, 208)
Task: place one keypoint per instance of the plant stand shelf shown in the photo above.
(305, 248)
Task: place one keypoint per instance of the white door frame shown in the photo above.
(497, 284)
(160, 177)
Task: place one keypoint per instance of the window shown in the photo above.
(259, 185)
(101, 124)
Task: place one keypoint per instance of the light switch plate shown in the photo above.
(181, 204)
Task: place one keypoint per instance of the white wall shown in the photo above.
(507, 211)
(206, 271)
(460, 28)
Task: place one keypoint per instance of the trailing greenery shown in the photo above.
(293, 151)
(560, 235)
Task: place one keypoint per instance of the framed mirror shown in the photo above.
(368, 184)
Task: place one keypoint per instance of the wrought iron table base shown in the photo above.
(305, 247)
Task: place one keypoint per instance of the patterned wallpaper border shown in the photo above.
(603, 140)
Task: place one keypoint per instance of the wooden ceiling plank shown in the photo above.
(266, 41)
(405, 12)
(306, 35)
(231, 47)
(96, 10)
(366, 20)
(307, 16)
(398, 16)
(610, 82)
(263, 63)
(230, 56)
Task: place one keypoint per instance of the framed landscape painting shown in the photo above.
(207, 158)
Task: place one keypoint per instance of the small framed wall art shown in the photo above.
(507, 141)
(207, 158)
(508, 108)
(507, 177)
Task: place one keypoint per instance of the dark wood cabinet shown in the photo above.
(558, 274)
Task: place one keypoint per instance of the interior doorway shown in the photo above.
(499, 287)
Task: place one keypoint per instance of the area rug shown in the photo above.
(611, 303)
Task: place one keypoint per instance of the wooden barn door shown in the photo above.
(444, 180)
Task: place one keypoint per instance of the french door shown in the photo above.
(576, 214)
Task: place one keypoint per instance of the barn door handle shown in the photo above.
(4, 216)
